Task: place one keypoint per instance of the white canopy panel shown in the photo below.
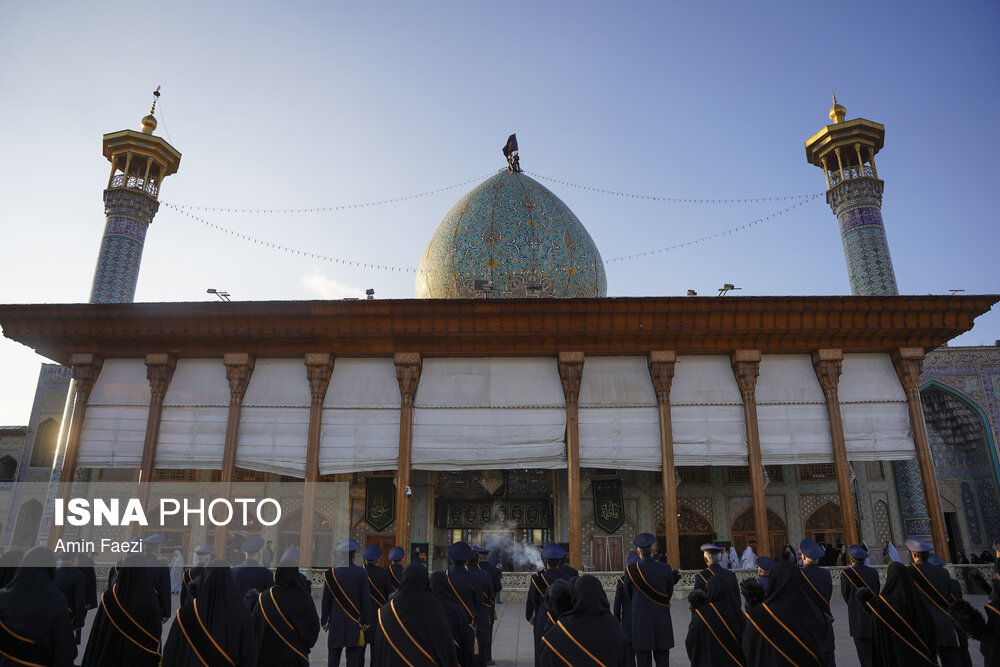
(788, 379)
(112, 436)
(709, 435)
(278, 382)
(791, 434)
(354, 440)
(363, 383)
(192, 437)
(490, 383)
(616, 382)
(121, 382)
(873, 409)
(625, 438)
(704, 380)
(869, 378)
(273, 439)
(198, 382)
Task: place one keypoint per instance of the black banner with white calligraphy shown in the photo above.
(380, 501)
(609, 508)
(494, 514)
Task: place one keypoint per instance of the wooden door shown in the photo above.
(386, 542)
(607, 553)
(691, 553)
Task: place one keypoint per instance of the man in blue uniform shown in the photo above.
(852, 580)
(713, 568)
(159, 572)
(935, 588)
(250, 573)
(378, 576)
(461, 598)
(72, 584)
(484, 610)
(622, 610)
(650, 585)
(534, 605)
(818, 584)
(396, 555)
(764, 567)
(203, 553)
(346, 610)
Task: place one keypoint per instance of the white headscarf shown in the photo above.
(724, 561)
(749, 559)
(734, 558)
(893, 554)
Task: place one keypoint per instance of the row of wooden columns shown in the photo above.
(319, 368)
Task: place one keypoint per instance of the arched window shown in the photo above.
(46, 439)
(743, 533)
(28, 520)
(8, 468)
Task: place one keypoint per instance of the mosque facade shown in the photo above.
(514, 403)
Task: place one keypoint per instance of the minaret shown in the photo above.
(845, 151)
(139, 163)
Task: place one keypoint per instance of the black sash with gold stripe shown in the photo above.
(540, 583)
(635, 575)
(927, 588)
(396, 581)
(824, 604)
(788, 644)
(21, 650)
(720, 631)
(855, 579)
(568, 648)
(200, 639)
(279, 624)
(472, 615)
(901, 628)
(338, 593)
(125, 624)
(378, 597)
(401, 639)
(706, 574)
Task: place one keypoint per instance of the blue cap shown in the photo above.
(396, 553)
(252, 545)
(708, 546)
(480, 550)
(348, 545)
(644, 540)
(632, 558)
(372, 552)
(917, 545)
(291, 554)
(934, 559)
(765, 563)
(857, 551)
(154, 539)
(553, 551)
(811, 549)
(203, 549)
(460, 551)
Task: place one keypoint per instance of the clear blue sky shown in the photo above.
(320, 104)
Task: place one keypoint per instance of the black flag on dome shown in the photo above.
(510, 146)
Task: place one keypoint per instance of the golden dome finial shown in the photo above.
(149, 122)
(837, 111)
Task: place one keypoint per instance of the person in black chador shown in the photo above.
(787, 628)
(396, 555)
(903, 632)
(462, 636)
(535, 610)
(819, 584)
(71, 582)
(86, 566)
(622, 607)
(935, 586)
(190, 579)
(484, 608)
(250, 574)
(127, 627)
(35, 628)
(650, 585)
(586, 633)
(346, 609)
(215, 627)
(461, 595)
(412, 626)
(712, 555)
(852, 580)
(378, 587)
(9, 562)
(715, 634)
(159, 572)
(285, 617)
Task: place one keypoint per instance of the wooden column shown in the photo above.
(319, 369)
(84, 369)
(570, 373)
(909, 362)
(408, 366)
(828, 364)
(239, 368)
(661, 371)
(159, 372)
(746, 366)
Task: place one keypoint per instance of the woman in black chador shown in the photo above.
(215, 627)
(35, 627)
(715, 634)
(903, 631)
(787, 627)
(285, 618)
(127, 625)
(412, 626)
(587, 633)
(9, 562)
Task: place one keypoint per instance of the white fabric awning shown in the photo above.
(706, 413)
(115, 425)
(618, 417)
(874, 410)
(791, 412)
(195, 411)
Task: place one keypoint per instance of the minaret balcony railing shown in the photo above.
(850, 174)
(150, 187)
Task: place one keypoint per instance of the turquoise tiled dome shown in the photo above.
(513, 232)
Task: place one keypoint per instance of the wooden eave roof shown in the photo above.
(501, 327)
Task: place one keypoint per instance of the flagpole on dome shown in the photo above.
(510, 152)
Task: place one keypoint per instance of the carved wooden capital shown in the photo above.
(746, 368)
(84, 369)
(661, 372)
(909, 362)
(159, 372)
(570, 374)
(828, 365)
(239, 368)
(319, 370)
(408, 365)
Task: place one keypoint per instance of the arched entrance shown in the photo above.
(825, 524)
(693, 530)
(743, 534)
(26, 528)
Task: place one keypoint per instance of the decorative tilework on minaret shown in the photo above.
(139, 163)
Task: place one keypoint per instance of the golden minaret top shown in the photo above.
(149, 122)
(837, 111)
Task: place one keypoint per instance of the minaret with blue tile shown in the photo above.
(139, 163)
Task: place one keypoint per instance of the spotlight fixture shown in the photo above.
(691, 292)
(223, 295)
(370, 292)
(728, 287)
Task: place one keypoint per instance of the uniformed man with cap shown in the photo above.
(484, 610)
(534, 604)
(396, 555)
(853, 579)
(934, 586)
(203, 553)
(71, 583)
(346, 610)
(954, 593)
(461, 597)
(818, 584)
(764, 567)
(713, 568)
(650, 585)
(622, 609)
(250, 574)
(378, 576)
(567, 568)
(159, 571)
